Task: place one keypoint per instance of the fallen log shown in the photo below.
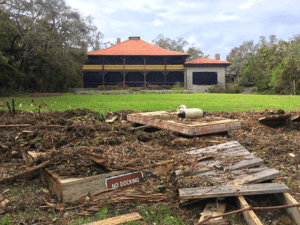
(26, 172)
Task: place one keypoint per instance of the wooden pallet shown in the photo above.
(247, 177)
(194, 128)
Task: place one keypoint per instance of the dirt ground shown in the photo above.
(69, 137)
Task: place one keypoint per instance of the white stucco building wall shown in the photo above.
(200, 87)
(204, 65)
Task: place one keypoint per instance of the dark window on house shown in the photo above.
(205, 78)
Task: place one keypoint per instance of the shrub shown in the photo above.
(233, 88)
(177, 86)
(217, 88)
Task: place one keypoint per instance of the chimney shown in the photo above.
(118, 40)
(217, 56)
(134, 38)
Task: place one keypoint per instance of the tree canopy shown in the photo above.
(273, 65)
(178, 45)
(42, 45)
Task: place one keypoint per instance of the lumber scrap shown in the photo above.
(274, 119)
(287, 199)
(212, 210)
(111, 120)
(267, 174)
(231, 190)
(249, 216)
(14, 125)
(225, 149)
(239, 165)
(119, 219)
(280, 117)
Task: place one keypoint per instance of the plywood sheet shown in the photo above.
(194, 127)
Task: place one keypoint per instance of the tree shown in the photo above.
(47, 40)
(178, 45)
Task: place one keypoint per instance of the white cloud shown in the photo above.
(213, 26)
(157, 22)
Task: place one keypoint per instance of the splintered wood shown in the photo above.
(119, 219)
(192, 127)
(231, 160)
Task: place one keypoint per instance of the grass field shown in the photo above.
(156, 102)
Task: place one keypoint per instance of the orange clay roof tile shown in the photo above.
(206, 61)
(136, 47)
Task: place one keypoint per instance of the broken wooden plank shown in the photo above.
(14, 125)
(141, 127)
(246, 164)
(231, 190)
(287, 199)
(197, 127)
(240, 165)
(280, 117)
(268, 174)
(111, 120)
(211, 209)
(249, 216)
(119, 219)
(221, 148)
(274, 119)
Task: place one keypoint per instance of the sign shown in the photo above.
(124, 180)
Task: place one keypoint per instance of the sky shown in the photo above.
(214, 26)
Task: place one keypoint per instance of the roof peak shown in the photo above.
(136, 47)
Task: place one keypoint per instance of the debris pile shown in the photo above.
(78, 144)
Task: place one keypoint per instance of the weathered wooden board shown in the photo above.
(232, 155)
(238, 166)
(267, 174)
(225, 149)
(193, 129)
(119, 219)
(231, 190)
(287, 199)
(280, 117)
(68, 190)
(249, 216)
(212, 210)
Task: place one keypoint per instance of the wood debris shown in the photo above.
(119, 219)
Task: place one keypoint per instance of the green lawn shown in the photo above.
(156, 102)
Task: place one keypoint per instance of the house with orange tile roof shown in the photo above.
(203, 73)
(136, 63)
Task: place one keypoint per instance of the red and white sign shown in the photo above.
(124, 180)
